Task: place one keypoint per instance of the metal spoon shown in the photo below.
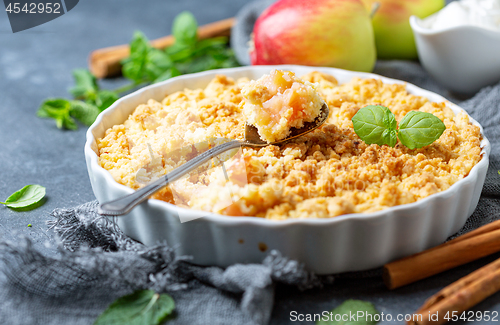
(125, 204)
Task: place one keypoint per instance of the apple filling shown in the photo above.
(277, 102)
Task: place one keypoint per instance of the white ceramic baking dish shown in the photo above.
(345, 243)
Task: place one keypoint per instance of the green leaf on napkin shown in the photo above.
(351, 312)
(377, 124)
(143, 307)
(27, 197)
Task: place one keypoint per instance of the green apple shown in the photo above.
(336, 33)
(393, 34)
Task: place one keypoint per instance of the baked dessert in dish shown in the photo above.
(326, 173)
(279, 101)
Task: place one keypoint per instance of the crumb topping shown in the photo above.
(326, 173)
(279, 101)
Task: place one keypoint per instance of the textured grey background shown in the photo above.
(37, 63)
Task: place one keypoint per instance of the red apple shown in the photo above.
(336, 33)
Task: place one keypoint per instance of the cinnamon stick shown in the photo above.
(106, 62)
(459, 296)
(461, 250)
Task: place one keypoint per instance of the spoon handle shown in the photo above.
(125, 204)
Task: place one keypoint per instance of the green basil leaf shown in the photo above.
(132, 71)
(133, 67)
(26, 197)
(68, 123)
(139, 45)
(370, 124)
(419, 129)
(201, 63)
(351, 312)
(170, 73)
(59, 110)
(60, 122)
(210, 47)
(219, 42)
(159, 58)
(229, 60)
(54, 108)
(390, 120)
(158, 62)
(390, 137)
(105, 98)
(142, 307)
(42, 112)
(185, 28)
(226, 58)
(84, 112)
(85, 84)
(180, 52)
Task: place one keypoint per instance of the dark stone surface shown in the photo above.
(35, 64)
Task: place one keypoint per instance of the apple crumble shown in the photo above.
(278, 102)
(326, 173)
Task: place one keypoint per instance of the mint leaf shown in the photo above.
(186, 55)
(159, 59)
(67, 123)
(170, 73)
(375, 124)
(63, 111)
(144, 65)
(185, 28)
(58, 109)
(54, 108)
(158, 62)
(85, 84)
(26, 197)
(179, 52)
(390, 120)
(419, 129)
(133, 66)
(364, 314)
(105, 98)
(390, 137)
(141, 307)
(210, 43)
(84, 112)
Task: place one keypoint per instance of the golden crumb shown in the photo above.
(279, 101)
(326, 173)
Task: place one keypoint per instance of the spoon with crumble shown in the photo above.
(125, 204)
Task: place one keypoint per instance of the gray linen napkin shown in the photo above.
(97, 263)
